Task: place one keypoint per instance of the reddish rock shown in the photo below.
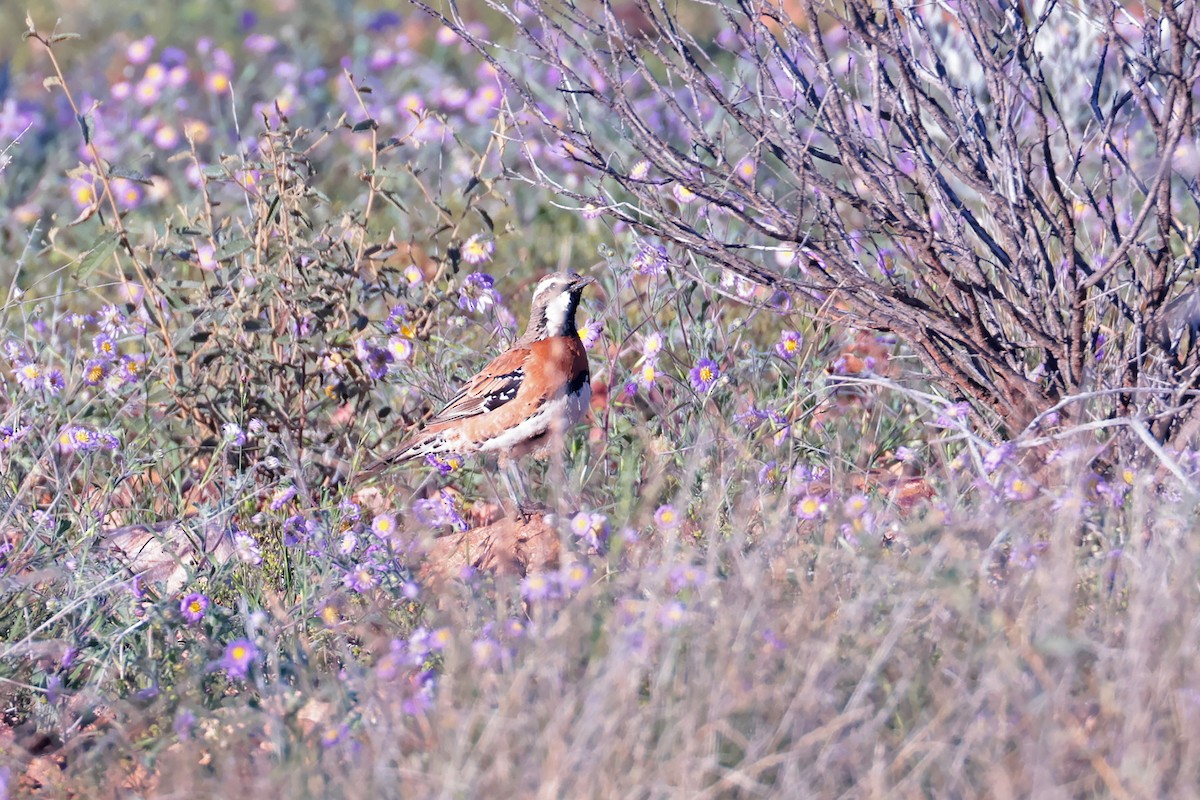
(505, 547)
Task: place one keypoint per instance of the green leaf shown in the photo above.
(234, 247)
(100, 252)
(129, 174)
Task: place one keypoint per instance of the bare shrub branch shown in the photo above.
(1012, 192)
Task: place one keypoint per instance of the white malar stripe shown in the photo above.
(556, 315)
(569, 408)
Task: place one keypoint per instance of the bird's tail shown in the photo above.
(419, 446)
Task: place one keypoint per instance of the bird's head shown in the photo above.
(554, 302)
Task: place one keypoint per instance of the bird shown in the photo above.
(525, 401)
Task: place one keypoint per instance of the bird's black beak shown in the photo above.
(581, 281)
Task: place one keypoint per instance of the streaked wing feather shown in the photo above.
(495, 385)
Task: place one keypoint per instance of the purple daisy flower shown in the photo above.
(105, 347)
(652, 345)
(856, 505)
(193, 607)
(537, 586)
(374, 359)
(206, 257)
(683, 194)
(672, 613)
(297, 528)
(485, 652)
(770, 474)
(789, 345)
(1020, 488)
(478, 250)
(476, 293)
(704, 374)
(233, 434)
(359, 579)
(350, 510)
(444, 464)
(94, 372)
(686, 576)
(666, 518)
(10, 435)
(77, 438)
(589, 332)
(239, 655)
(246, 548)
(998, 456)
(430, 512)
(30, 376)
(809, 507)
(111, 320)
(400, 348)
(592, 528)
(384, 525)
(140, 50)
(282, 496)
(331, 737)
(575, 576)
(646, 375)
(650, 259)
(746, 169)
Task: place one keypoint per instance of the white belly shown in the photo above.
(556, 417)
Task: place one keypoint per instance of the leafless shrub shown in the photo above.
(1010, 188)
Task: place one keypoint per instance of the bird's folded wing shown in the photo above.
(495, 385)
